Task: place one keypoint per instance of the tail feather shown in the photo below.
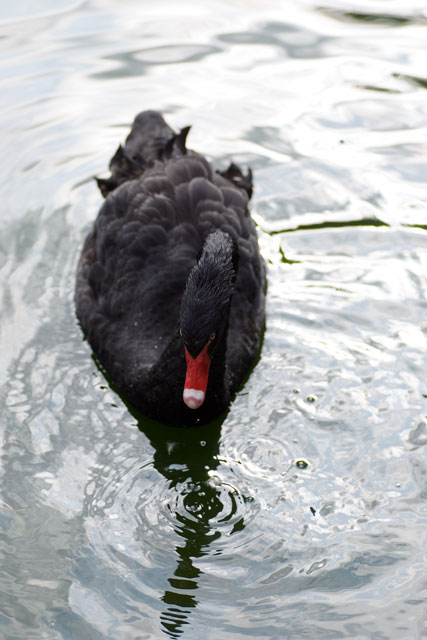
(148, 136)
(236, 176)
(148, 141)
(176, 144)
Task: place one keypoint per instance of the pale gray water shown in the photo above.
(304, 514)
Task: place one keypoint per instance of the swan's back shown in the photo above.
(161, 203)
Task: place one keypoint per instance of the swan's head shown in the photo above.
(204, 312)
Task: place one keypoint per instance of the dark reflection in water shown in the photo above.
(334, 224)
(413, 80)
(180, 458)
(383, 19)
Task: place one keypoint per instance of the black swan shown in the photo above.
(170, 287)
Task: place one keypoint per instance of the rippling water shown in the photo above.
(302, 515)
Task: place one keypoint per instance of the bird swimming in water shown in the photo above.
(170, 288)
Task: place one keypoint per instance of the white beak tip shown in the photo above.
(193, 398)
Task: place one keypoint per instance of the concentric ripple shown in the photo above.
(134, 513)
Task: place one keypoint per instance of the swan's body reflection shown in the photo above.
(186, 458)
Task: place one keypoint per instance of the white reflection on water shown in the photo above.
(111, 532)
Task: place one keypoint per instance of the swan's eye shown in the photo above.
(212, 337)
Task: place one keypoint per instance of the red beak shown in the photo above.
(196, 379)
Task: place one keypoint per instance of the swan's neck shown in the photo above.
(206, 300)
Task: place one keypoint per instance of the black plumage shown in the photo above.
(171, 264)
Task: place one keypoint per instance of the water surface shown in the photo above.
(303, 513)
